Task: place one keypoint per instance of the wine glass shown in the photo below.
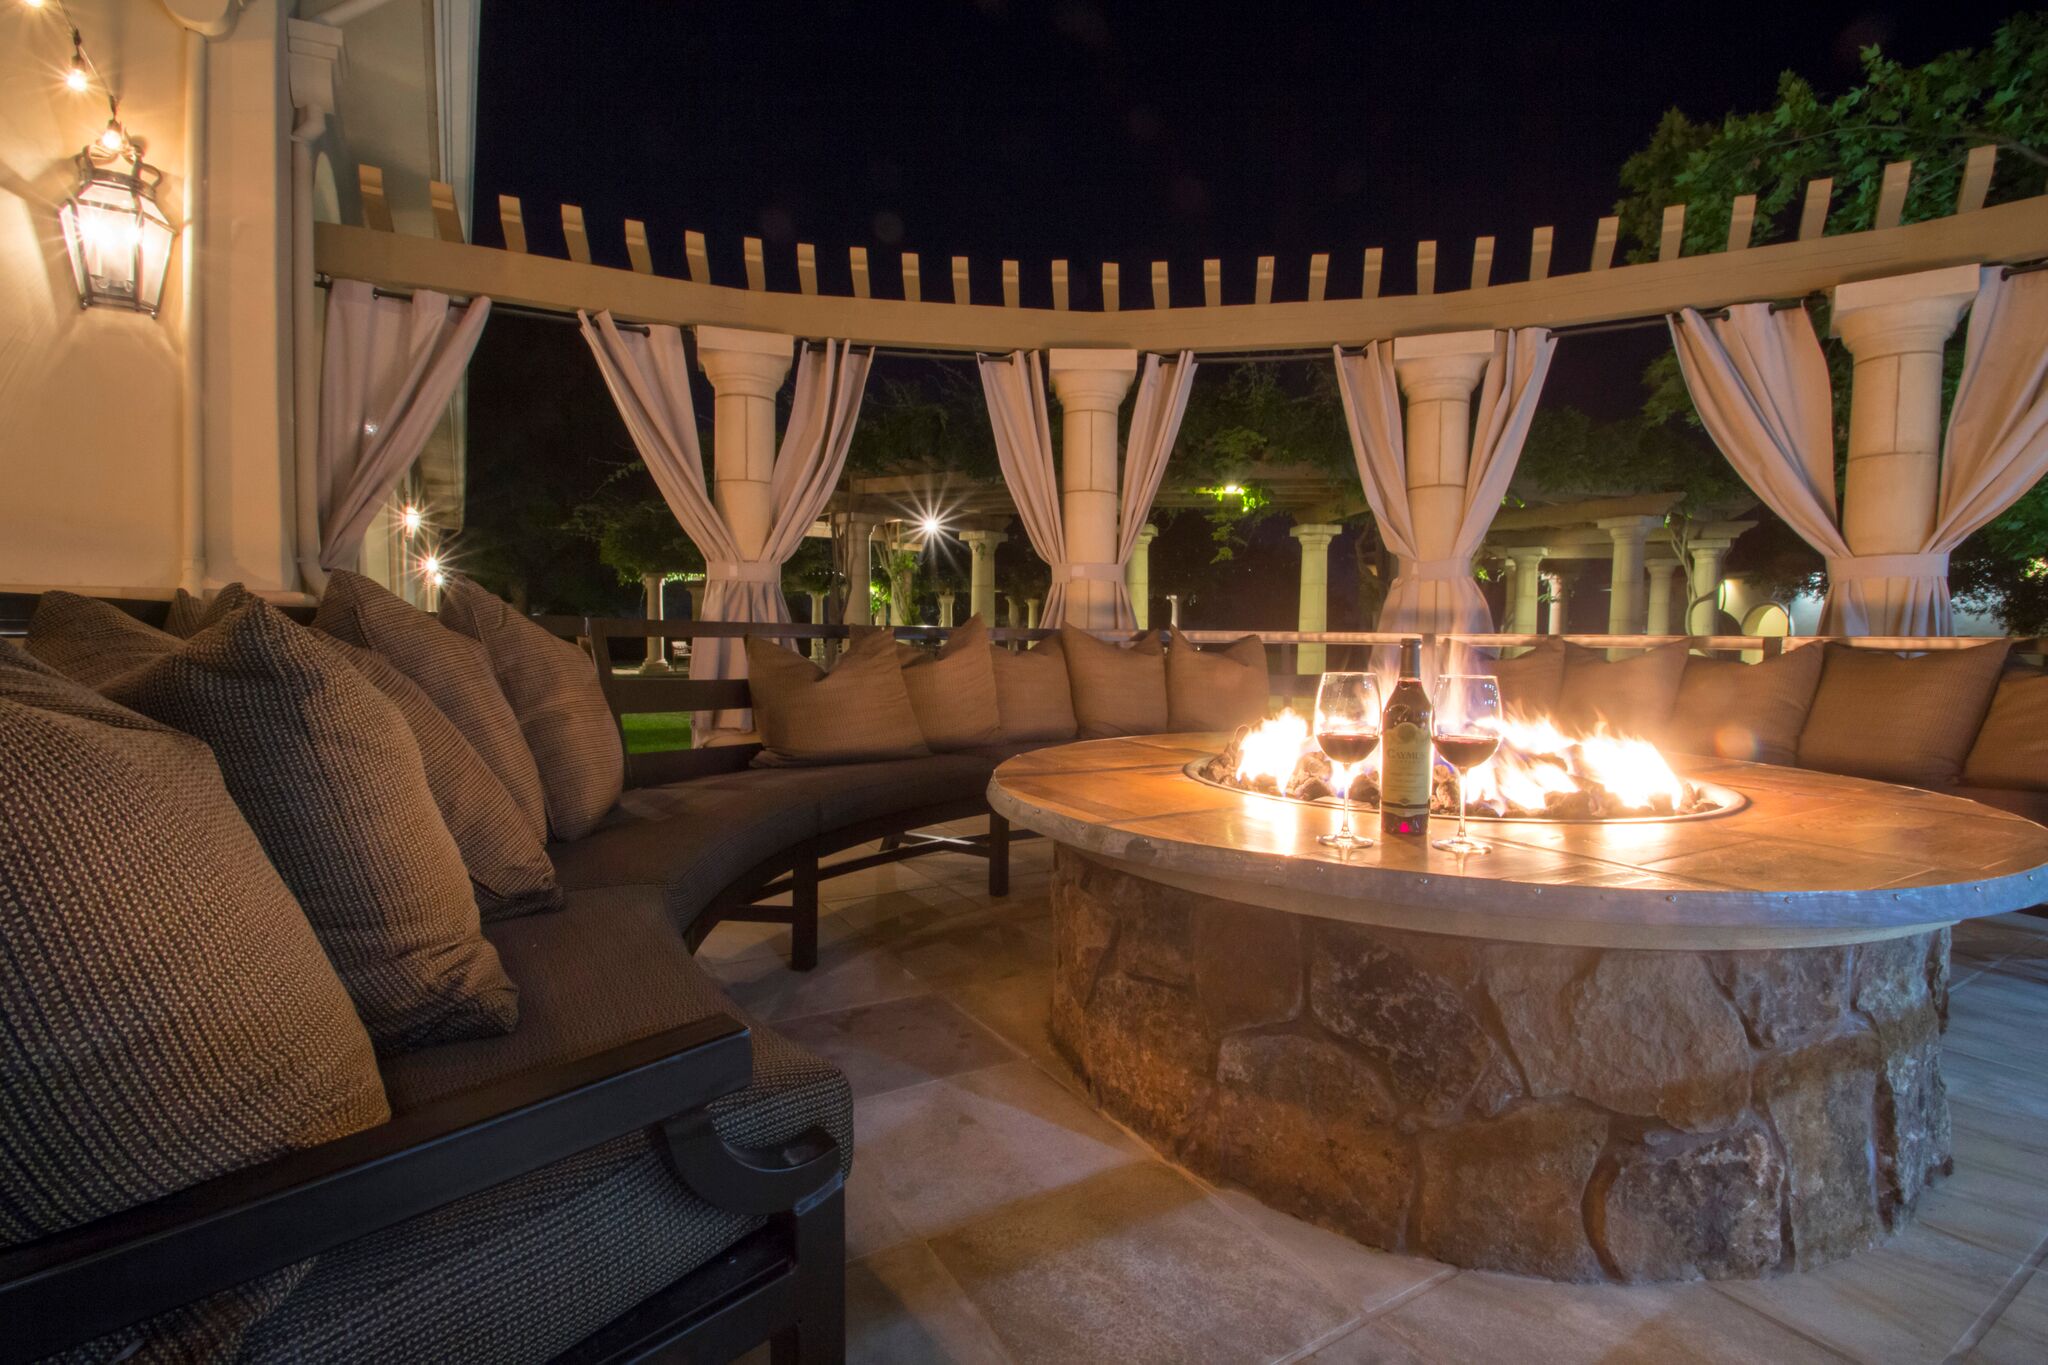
(1347, 727)
(1467, 732)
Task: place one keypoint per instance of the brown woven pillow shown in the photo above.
(859, 712)
(91, 641)
(953, 692)
(1215, 689)
(1630, 696)
(1531, 681)
(1750, 711)
(1118, 689)
(1899, 719)
(187, 616)
(2012, 748)
(554, 691)
(166, 1014)
(449, 667)
(1033, 695)
(327, 774)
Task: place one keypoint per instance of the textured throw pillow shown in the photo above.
(1118, 689)
(953, 692)
(1033, 695)
(327, 774)
(508, 867)
(554, 691)
(1531, 681)
(1215, 689)
(187, 616)
(449, 667)
(1629, 696)
(859, 712)
(1749, 711)
(166, 1015)
(1899, 719)
(91, 641)
(2012, 748)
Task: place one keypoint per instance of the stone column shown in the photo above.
(657, 651)
(1091, 385)
(900, 576)
(1557, 603)
(1625, 599)
(314, 53)
(1896, 329)
(1313, 611)
(1437, 375)
(746, 370)
(1704, 592)
(1016, 611)
(1659, 617)
(1528, 603)
(946, 600)
(1032, 606)
(981, 581)
(1138, 576)
(1173, 609)
(853, 536)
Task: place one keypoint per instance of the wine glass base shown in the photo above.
(1462, 843)
(1344, 841)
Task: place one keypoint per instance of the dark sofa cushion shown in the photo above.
(857, 713)
(1034, 696)
(1530, 681)
(1897, 718)
(1219, 688)
(2011, 749)
(531, 1267)
(953, 692)
(1753, 712)
(1119, 689)
(1632, 695)
(91, 641)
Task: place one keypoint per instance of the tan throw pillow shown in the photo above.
(187, 615)
(1755, 712)
(91, 641)
(1033, 695)
(1531, 681)
(953, 692)
(327, 774)
(562, 711)
(2012, 748)
(1630, 696)
(1897, 719)
(166, 1014)
(1118, 689)
(858, 713)
(1215, 689)
(509, 869)
(449, 667)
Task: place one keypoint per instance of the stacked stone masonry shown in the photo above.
(1577, 1114)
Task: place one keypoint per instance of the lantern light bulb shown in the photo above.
(33, 4)
(113, 139)
(75, 78)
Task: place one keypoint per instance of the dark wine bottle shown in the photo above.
(1407, 753)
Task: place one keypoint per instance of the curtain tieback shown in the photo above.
(1436, 568)
(1100, 573)
(1888, 566)
(743, 570)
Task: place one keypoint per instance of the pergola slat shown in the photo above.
(857, 265)
(1374, 259)
(697, 256)
(1604, 238)
(1262, 286)
(1539, 253)
(913, 285)
(1425, 267)
(1813, 217)
(1891, 194)
(1212, 282)
(961, 290)
(1318, 276)
(1671, 241)
(636, 247)
(512, 223)
(1059, 286)
(1011, 285)
(1741, 222)
(1482, 263)
(1976, 184)
(447, 221)
(573, 234)
(370, 185)
(1112, 288)
(1162, 293)
(757, 264)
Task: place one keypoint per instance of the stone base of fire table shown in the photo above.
(1572, 1113)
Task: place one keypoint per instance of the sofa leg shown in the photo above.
(818, 1236)
(803, 904)
(998, 855)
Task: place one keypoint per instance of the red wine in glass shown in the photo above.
(1347, 747)
(1347, 726)
(1468, 751)
(1467, 722)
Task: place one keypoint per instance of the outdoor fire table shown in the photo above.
(1641, 1050)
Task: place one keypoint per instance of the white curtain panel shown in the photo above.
(390, 367)
(649, 379)
(1440, 595)
(1155, 425)
(1015, 388)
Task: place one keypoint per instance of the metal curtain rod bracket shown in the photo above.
(2023, 268)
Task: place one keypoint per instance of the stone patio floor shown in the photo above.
(994, 1215)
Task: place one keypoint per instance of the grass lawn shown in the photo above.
(655, 732)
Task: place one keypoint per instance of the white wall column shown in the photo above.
(852, 534)
(315, 56)
(1437, 375)
(1658, 618)
(1704, 596)
(1313, 611)
(1896, 329)
(946, 600)
(1525, 619)
(746, 370)
(1032, 607)
(657, 651)
(981, 573)
(820, 608)
(1625, 600)
(1138, 575)
(1558, 598)
(1091, 385)
(1015, 608)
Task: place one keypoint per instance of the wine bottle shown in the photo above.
(1407, 754)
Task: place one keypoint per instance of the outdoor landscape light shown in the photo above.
(410, 519)
(120, 241)
(930, 526)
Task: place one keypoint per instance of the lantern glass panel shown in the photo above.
(119, 240)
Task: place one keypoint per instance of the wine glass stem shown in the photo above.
(1347, 810)
(1461, 805)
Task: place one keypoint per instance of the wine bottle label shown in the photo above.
(1404, 772)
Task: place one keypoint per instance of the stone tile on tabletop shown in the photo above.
(899, 1042)
(1910, 1299)
(1482, 1316)
(902, 1308)
(957, 1149)
(1138, 1264)
(1365, 1279)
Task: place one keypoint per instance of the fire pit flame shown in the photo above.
(1539, 772)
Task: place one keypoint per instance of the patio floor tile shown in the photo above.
(849, 973)
(2020, 1334)
(1366, 1280)
(899, 1042)
(902, 1308)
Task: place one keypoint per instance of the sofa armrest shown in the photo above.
(102, 1276)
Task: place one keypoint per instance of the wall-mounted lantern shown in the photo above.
(119, 239)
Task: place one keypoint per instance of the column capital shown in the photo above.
(1446, 365)
(1317, 534)
(1660, 565)
(988, 538)
(1629, 528)
(1091, 379)
(738, 361)
(1902, 313)
(316, 58)
(207, 18)
(1147, 534)
(1519, 555)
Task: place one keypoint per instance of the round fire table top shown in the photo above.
(1812, 859)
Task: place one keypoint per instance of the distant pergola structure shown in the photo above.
(1898, 291)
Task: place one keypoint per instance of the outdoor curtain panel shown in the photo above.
(1015, 387)
(649, 379)
(1439, 595)
(391, 366)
